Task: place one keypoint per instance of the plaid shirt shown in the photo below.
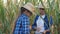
(22, 25)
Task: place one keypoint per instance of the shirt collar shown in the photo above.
(24, 15)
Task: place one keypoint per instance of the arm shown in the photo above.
(51, 25)
(17, 26)
(34, 26)
(52, 29)
(51, 22)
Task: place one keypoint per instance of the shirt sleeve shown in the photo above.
(34, 24)
(25, 25)
(51, 20)
(17, 26)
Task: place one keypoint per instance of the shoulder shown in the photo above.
(24, 17)
(47, 16)
(36, 16)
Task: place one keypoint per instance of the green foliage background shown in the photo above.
(10, 11)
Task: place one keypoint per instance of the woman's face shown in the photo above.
(42, 11)
(28, 13)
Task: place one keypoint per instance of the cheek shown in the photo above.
(40, 11)
(43, 11)
(29, 14)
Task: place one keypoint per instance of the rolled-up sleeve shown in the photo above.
(51, 20)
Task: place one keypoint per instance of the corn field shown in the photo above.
(10, 10)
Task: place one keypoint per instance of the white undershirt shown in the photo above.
(40, 23)
(43, 16)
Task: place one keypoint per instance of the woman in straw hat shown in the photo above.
(23, 24)
(41, 23)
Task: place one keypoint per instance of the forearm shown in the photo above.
(52, 29)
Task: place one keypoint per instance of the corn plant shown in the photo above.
(10, 12)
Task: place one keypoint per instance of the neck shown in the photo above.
(42, 14)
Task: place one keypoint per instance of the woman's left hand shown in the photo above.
(46, 31)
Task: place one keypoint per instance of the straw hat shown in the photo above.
(40, 6)
(30, 7)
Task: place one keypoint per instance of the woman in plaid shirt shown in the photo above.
(22, 24)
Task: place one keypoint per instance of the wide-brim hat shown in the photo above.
(40, 6)
(30, 7)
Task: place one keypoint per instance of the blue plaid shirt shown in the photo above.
(22, 25)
